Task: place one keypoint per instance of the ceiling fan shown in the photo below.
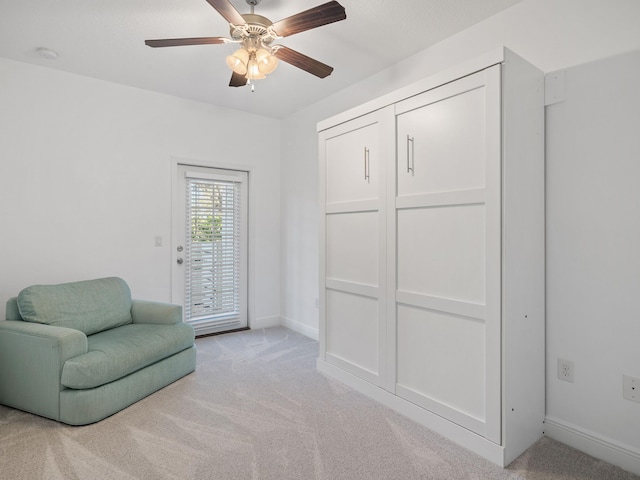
(257, 56)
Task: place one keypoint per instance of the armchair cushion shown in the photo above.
(115, 353)
(89, 306)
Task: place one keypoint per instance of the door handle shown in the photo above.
(180, 261)
(366, 165)
(410, 155)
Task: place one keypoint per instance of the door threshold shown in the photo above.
(224, 331)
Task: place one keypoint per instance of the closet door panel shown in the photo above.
(441, 140)
(353, 182)
(441, 252)
(441, 360)
(352, 333)
(352, 165)
(353, 247)
(447, 253)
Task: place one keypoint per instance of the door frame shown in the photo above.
(175, 191)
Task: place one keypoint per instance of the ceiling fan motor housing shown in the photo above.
(256, 26)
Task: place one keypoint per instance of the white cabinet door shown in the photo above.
(447, 252)
(441, 137)
(353, 162)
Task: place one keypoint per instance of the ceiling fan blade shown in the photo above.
(177, 42)
(228, 11)
(314, 17)
(237, 80)
(303, 62)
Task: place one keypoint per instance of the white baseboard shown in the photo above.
(265, 322)
(598, 446)
(305, 330)
(278, 321)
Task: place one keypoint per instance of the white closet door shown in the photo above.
(447, 252)
(353, 182)
(352, 163)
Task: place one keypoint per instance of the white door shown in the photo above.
(447, 216)
(353, 158)
(210, 248)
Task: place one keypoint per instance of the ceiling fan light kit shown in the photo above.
(238, 61)
(254, 59)
(257, 57)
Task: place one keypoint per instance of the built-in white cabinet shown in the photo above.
(432, 252)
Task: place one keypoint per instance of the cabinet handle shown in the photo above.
(410, 155)
(366, 164)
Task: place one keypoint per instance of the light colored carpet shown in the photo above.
(256, 408)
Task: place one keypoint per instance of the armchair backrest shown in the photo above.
(90, 306)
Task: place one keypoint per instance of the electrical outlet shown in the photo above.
(631, 388)
(565, 370)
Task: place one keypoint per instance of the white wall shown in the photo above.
(552, 34)
(593, 249)
(85, 181)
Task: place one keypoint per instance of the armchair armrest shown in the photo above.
(31, 360)
(158, 313)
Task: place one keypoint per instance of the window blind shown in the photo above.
(212, 251)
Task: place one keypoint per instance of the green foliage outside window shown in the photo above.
(207, 227)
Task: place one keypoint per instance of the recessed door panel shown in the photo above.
(441, 357)
(441, 252)
(352, 169)
(353, 247)
(441, 144)
(352, 329)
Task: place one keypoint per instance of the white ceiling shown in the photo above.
(105, 40)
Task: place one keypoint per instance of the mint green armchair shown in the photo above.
(79, 352)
